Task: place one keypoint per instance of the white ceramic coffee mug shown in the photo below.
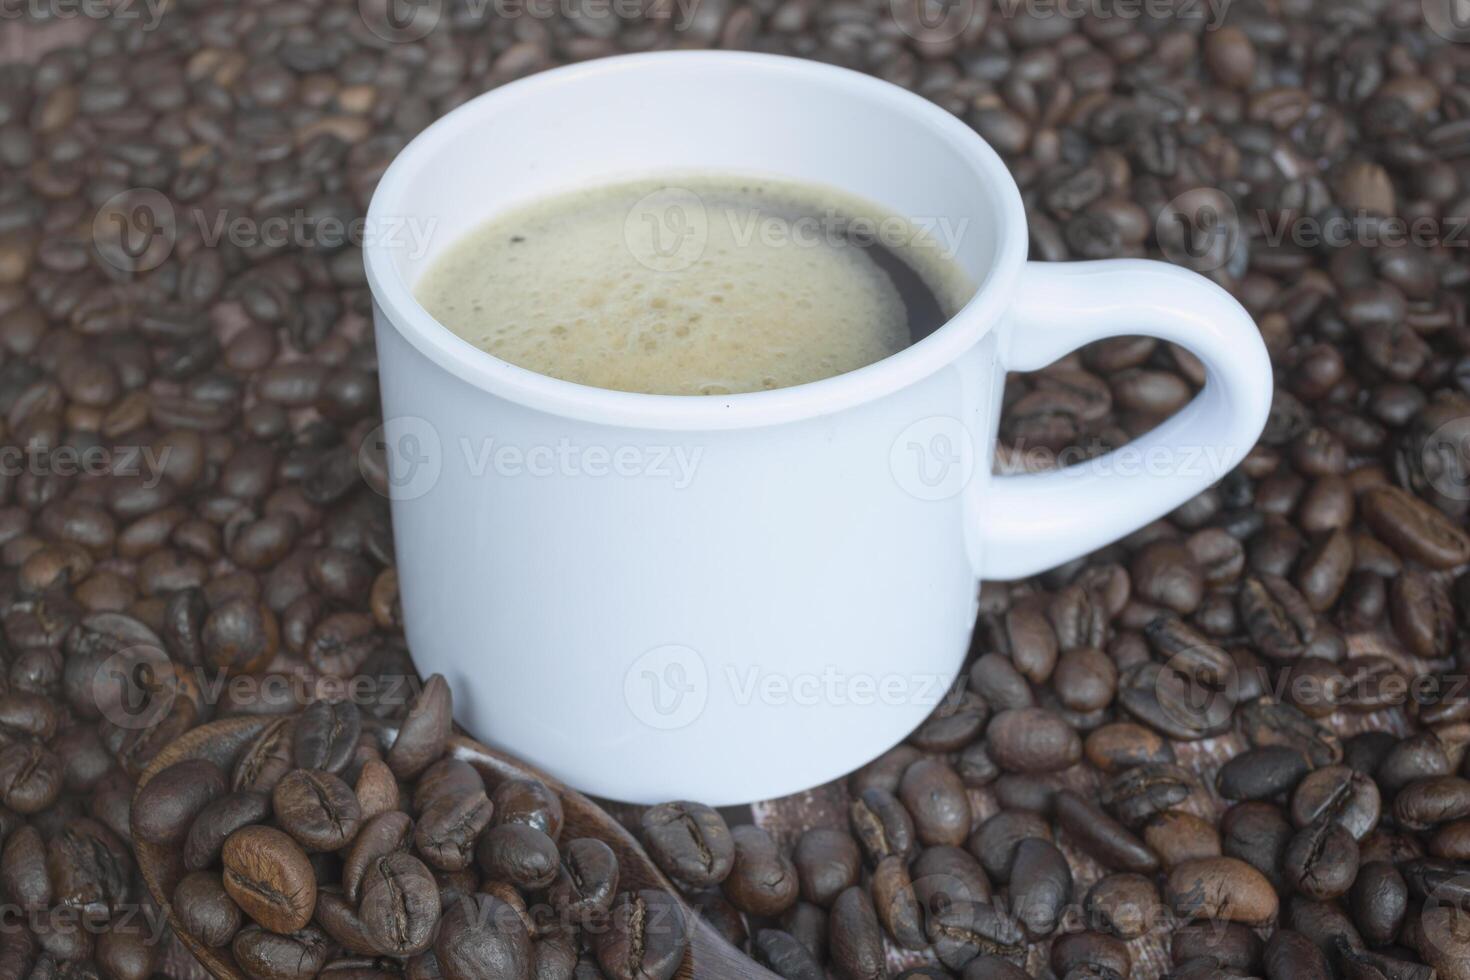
(733, 598)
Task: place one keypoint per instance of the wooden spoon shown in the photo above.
(710, 957)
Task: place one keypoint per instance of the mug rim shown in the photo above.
(395, 300)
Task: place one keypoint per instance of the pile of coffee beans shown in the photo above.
(1238, 735)
(338, 848)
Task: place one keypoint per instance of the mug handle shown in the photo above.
(1035, 521)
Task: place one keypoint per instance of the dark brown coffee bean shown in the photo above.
(997, 680)
(1102, 837)
(896, 903)
(167, 806)
(1379, 901)
(205, 910)
(298, 956)
(1032, 740)
(1135, 795)
(994, 843)
(827, 861)
(519, 854)
(1422, 614)
(1126, 905)
(217, 821)
(936, 799)
(31, 777)
(1231, 945)
(379, 837)
(1261, 773)
(587, 881)
(1321, 860)
(690, 842)
(1265, 721)
(1091, 954)
(781, 953)
(448, 828)
(400, 904)
(1123, 744)
(964, 930)
(881, 825)
(528, 801)
(269, 877)
(1339, 794)
(646, 937)
(1041, 886)
(425, 731)
(1278, 619)
(1436, 799)
(317, 808)
(856, 940)
(481, 937)
(1414, 529)
(1291, 956)
(325, 736)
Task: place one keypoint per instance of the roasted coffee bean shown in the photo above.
(856, 939)
(896, 903)
(519, 854)
(936, 799)
(587, 880)
(995, 678)
(1268, 722)
(1135, 795)
(1097, 953)
(646, 937)
(325, 736)
(1030, 740)
(762, 880)
(528, 801)
(964, 930)
(881, 825)
(166, 807)
(958, 719)
(1437, 799)
(1126, 905)
(379, 837)
(1280, 622)
(425, 730)
(945, 875)
(205, 909)
(1339, 794)
(217, 821)
(1261, 773)
(1379, 901)
(1178, 836)
(1257, 833)
(400, 904)
(786, 957)
(1321, 860)
(317, 808)
(1041, 886)
(449, 826)
(1221, 888)
(270, 878)
(827, 861)
(1102, 837)
(1122, 745)
(690, 842)
(481, 936)
(994, 843)
(262, 953)
(1414, 529)
(1291, 956)
(1235, 947)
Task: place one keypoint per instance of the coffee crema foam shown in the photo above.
(701, 285)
